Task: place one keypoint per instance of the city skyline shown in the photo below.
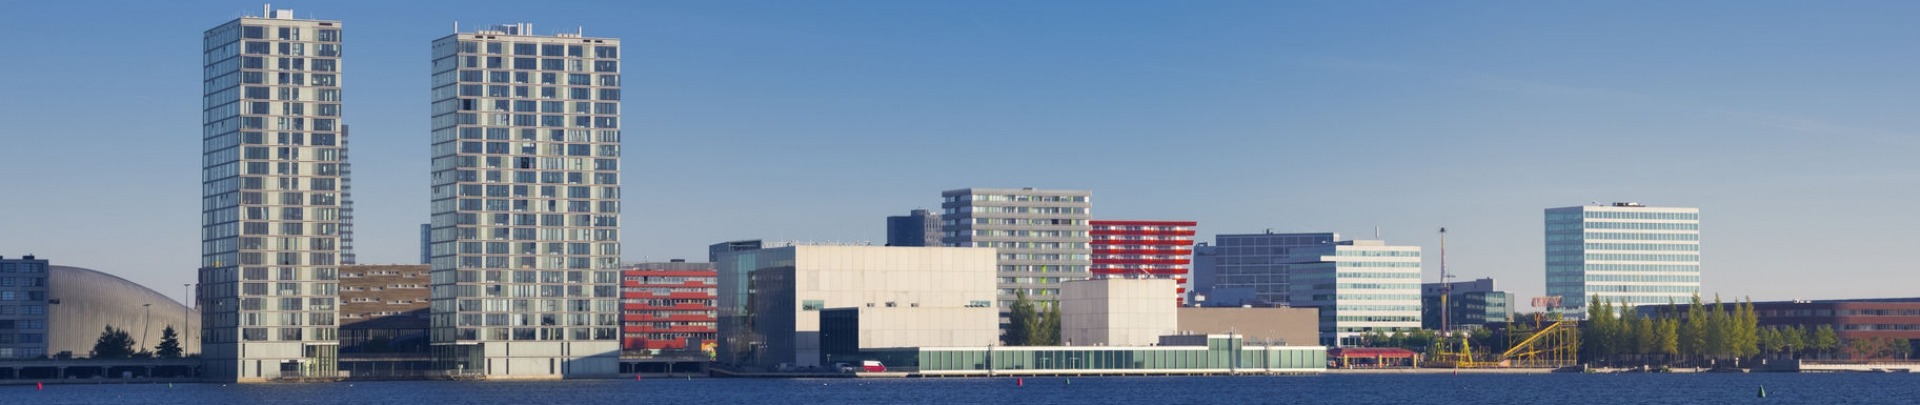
(737, 106)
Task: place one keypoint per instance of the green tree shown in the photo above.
(1719, 333)
(114, 343)
(169, 346)
(1048, 333)
(1825, 340)
(1747, 340)
(1669, 337)
(1646, 337)
(1022, 321)
(1693, 335)
(1794, 339)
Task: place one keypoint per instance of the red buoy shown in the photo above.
(39, 386)
(1019, 382)
(636, 376)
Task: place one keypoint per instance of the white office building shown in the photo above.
(1623, 252)
(1360, 286)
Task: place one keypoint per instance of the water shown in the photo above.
(1330, 389)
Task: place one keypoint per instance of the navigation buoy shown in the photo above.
(1019, 382)
(1763, 391)
(1069, 381)
(39, 386)
(636, 376)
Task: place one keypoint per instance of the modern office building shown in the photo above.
(347, 256)
(715, 250)
(1624, 252)
(1215, 354)
(1257, 262)
(271, 199)
(1145, 249)
(917, 228)
(1116, 311)
(1469, 304)
(526, 203)
(383, 308)
(23, 308)
(667, 306)
(1359, 286)
(773, 301)
(1042, 236)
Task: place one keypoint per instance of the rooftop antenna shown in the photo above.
(1376, 232)
(266, 10)
(456, 26)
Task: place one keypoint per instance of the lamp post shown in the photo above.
(186, 314)
(144, 323)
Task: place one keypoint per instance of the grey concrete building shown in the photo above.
(917, 228)
(772, 301)
(271, 185)
(1116, 311)
(23, 308)
(526, 203)
(1042, 236)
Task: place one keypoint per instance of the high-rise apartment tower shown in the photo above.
(271, 182)
(526, 203)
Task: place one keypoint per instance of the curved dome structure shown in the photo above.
(82, 302)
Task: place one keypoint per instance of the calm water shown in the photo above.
(1336, 389)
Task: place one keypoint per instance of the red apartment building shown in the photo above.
(1156, 249)
(667, 306)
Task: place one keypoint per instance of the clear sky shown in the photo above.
(1791, 125)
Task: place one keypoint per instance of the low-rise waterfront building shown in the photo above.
(383, 308)
(667, 306)
(1180, 354)
(1116, 311)
(771, 300)
(1279, 326)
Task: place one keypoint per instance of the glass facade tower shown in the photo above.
(526, 203)
(271, 180)
(1624, 252)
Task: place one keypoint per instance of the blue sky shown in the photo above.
(1791, 124)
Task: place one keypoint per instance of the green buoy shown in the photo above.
(1763, 391)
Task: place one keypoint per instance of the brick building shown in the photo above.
(383, 308)
(667, 306)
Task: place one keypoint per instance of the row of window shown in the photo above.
(1021, 210)
(531, 49)
(1016, 198)
(23, 309)
(1645, 226)
(25, 324)
(536, 334)
(447, 306)
(290, 33)
(1016, 221)
(1669, 247)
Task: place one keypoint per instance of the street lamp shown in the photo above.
(186, 314)
(144, 325)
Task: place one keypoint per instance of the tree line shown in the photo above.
(116, 343)
(1703, 335)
